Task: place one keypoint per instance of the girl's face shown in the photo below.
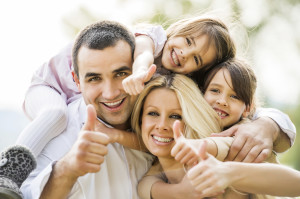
(220, 95)
(186, 54)
(161, 109)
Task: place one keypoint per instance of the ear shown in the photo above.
(246, 112)
(76, 79)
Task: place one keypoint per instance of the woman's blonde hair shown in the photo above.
(199, 118)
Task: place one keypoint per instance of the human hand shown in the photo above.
(209, 177)
(253, 141)
(112, 133)
(87, 153)
(134, 84)
(183, 151)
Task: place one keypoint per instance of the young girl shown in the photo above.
(230, 90)
(191, 44)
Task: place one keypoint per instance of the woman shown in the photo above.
(164, 100)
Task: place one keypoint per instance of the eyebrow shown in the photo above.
(87, 75)
(123, 68)
(199, 57)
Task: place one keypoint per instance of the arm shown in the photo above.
(185, 150)
(86, 156)
(153, 186)
(141, 70)
(253, 141)
(211, 176)
(256, 178)
(287, 128)
(126, 138)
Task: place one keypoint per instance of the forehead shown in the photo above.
(222, 77)
(162, 97)
(104, 61)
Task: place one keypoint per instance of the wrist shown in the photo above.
(271, 126)
(61, 171)
(233, 174)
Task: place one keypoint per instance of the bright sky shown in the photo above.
(32, 32)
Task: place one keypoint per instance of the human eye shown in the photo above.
(235, 97)
(176, 116)
(152, 113)
(214, 90)
(196, 60)
(122, 74)
(94, 79)
(188, 41)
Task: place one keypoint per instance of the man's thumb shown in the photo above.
(150, 72)
(202, 151)
(177, 130)
(90, 119)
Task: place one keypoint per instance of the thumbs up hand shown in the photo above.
(87, 153)
(183, 151)
(209, 176)
(134, 84)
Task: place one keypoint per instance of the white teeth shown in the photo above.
(174, 57)
(160, 139)
(113, 103)
(221, 114)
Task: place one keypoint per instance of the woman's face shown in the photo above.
(161, 109)
(187, 54)
(220, 95)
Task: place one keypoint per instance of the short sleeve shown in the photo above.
(156, 33)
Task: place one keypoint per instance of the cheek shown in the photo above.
(208, 98)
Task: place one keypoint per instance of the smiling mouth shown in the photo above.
(175, 58)
(113, 104)
(221, 114)
(164, 140)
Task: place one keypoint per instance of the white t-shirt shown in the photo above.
(119, 174)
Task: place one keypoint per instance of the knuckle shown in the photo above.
(105, 151)
(83, 145)
(235, 147)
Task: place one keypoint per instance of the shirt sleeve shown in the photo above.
(156, 33)
(282, 120)
(223, 144)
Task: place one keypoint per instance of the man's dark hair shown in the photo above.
(99, 36)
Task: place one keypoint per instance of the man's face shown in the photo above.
(101, 73)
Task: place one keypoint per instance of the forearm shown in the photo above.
(281, 141)
(130, 140)
(281, 119)
(163, 190)
(264, 178)
(143, 54)
(59, 184)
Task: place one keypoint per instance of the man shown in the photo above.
(87, 167)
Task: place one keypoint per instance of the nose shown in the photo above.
(222, 101)
(163, 125)
(110, 90)
(186, 53)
